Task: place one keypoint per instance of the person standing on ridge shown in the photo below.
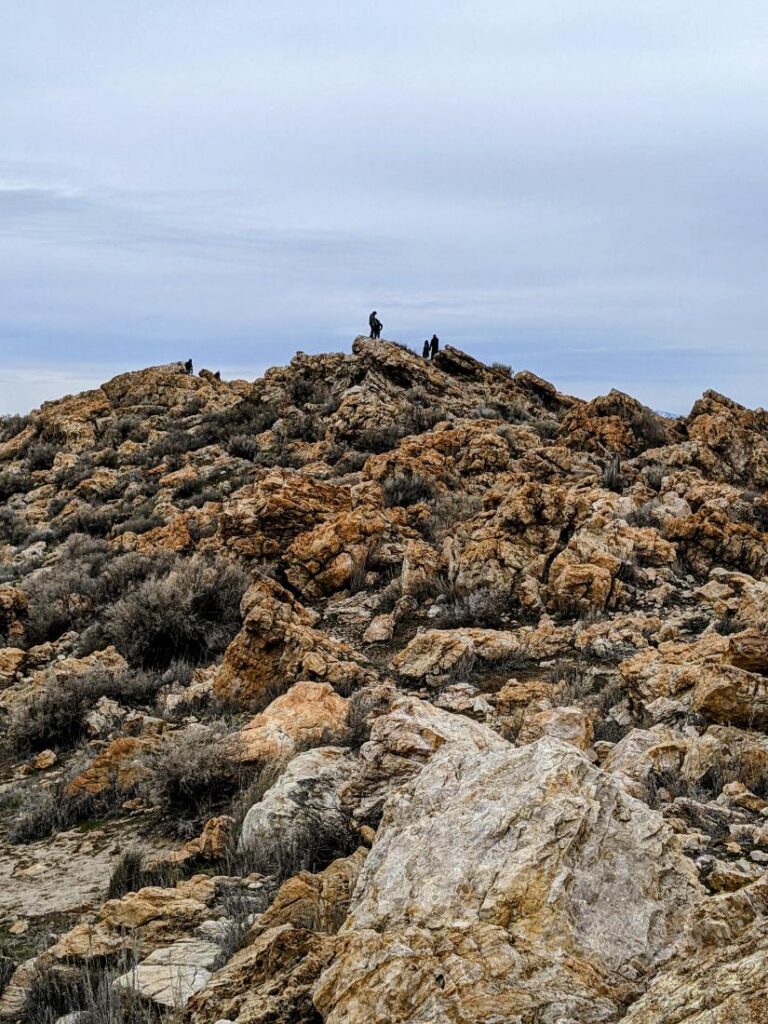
(434, 346)
(425, 350)
(375, 326)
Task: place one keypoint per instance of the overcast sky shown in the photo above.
(576, 187)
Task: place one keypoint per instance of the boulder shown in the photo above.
(296, 816)
(401, 742)
(301, 716)
(509, 885)
(170, 976)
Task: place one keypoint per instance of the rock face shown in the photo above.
(278, 646)
(507, 884)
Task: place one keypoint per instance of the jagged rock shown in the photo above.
(143, 919)
(569, 724)
(278, 645)
(438, 654)
(497, 887)
(723, 750)
(302, 715)
(318, 902)
(270, 980)
(614, 423)
(261, 519)
(402, 741)
(118, 767)
(327, 559)
(211, 845)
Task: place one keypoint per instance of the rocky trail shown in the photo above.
(382, 690)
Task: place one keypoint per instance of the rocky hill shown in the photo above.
(381, 690)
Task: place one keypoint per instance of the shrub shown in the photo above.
(310, 844)
(481, 608)
(193, 771)
(132, 873)
(53, 716)
(402, 489)
(192, 613)
(654, 477)
(41, 812)
(41, 455)
(241, 446)
(14, 481)
(12, 425)
(503, 368)
(447, 510)
(59, 989)
(365, 706)
(612, 480)
(649, 428)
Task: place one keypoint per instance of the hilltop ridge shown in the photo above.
(382, 689)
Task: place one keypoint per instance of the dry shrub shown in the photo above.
(190, 614)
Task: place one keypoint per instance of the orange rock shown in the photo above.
(302, 715)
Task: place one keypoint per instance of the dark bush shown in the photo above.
(12, 425)
(60, 989)
(14, 481)
(41, 455)
(95, 522)
(53, 715)
(481, 608)
(241, 446)
(193, 771)
(403, 490)
(132, 873)
(192, 614)
(42, 812)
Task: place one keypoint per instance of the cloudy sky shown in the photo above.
(576, 187)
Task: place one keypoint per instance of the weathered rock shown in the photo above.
(497, 889)
(437, 655)
(278, 646)
(171, 976)
(569, 724)
(144, 919)
(261, 520)
(118, 767)
(303, 715)
(402, 741)
(270, 980)
(302, 804)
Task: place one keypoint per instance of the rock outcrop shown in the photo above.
(383, 689)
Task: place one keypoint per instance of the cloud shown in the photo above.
(574, 186)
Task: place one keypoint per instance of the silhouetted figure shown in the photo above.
(188, 366)
(425, 350)
(217, 375)
(375, 325)
(434, 346)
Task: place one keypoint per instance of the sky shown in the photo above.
(574, 187)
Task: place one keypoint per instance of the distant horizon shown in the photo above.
(574, 187)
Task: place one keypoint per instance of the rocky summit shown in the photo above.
(382, 690)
